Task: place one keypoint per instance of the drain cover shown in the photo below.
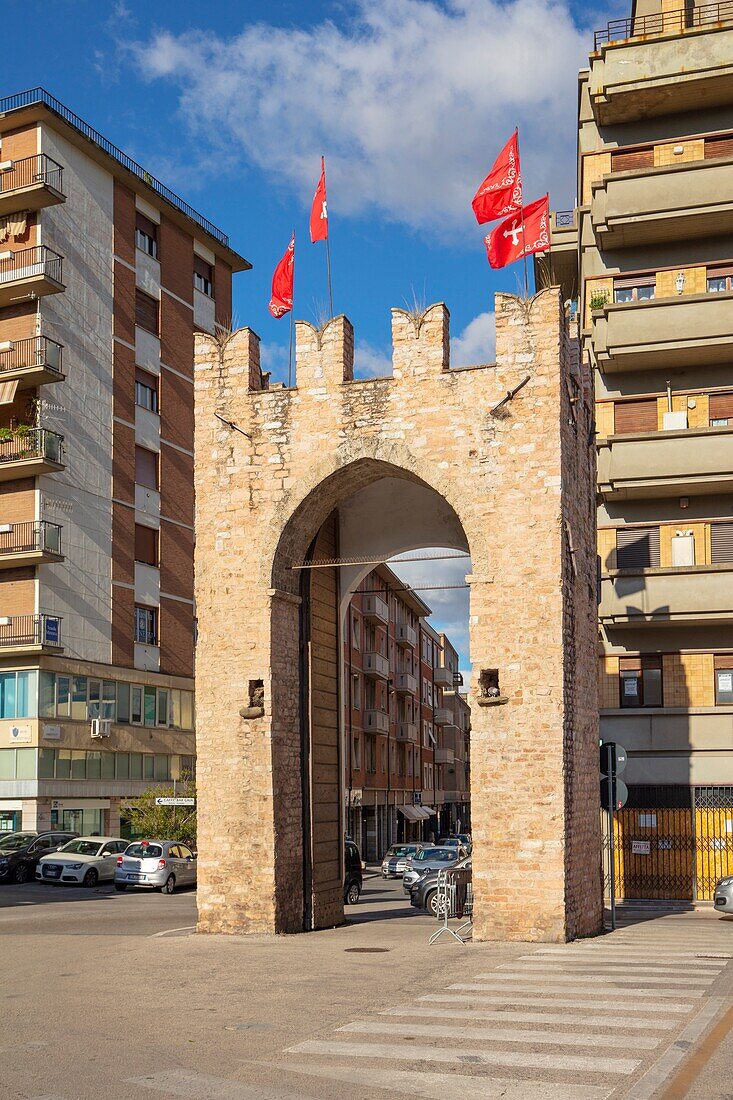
(366, 950)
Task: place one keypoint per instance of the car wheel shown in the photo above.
(170, 885)
(352, 894)
(21, 873)
(431, 903)
(91, 878)
(120, 887)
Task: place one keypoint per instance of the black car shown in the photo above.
(20, 852)
(424, 893)
(353, 876)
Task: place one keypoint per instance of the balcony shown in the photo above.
(31, 362)
(376, 721)
(29, 543)
(663, 63)
(407, 731)
(374, 609)
(405, 636)
(695, 462)
(405, 683)
(443, 678)
(30, 184)
(690, 330)
(693, 596)
(28, 452)
(559, 266)
(444, 756)
(443, 716)
(375, 666)
(29, 273)
(671, 203)
(30, 634)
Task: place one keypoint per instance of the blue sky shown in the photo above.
(232, 103)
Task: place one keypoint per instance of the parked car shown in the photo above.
(395, 859)
(20, 852)
(429, 859)
(353, 878)
(155, 865)
(87, 860)
(723, 895)
(424, 892)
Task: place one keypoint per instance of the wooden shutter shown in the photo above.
(202, 268)
(145, 225)
(146, 468)
(721, 542)
(721, 406)
(146, 545)
(625, 160)
(637, 547)
(635, 416)
(146, 312)
(719, 146)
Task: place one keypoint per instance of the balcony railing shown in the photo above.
(406, 683)
(374, 664)
(407, 731)
(30, 443)
(37, 351)
(29, 537)
(443, 677)
(374, 607)
(30, 171)
(668, 22)
(565, 219)
(405, 635)
(27, 262)
(376, 721)
(30, 630)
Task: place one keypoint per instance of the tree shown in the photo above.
(150, 821)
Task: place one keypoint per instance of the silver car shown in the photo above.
(723, 895)
(430, 859)
(396, 857)
(156, 865)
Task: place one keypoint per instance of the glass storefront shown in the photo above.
(82, 821)
(9, 821)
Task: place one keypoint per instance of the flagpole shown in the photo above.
(328, 270)
(524, 242)
(292, 308)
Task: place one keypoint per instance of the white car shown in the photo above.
(86, 860)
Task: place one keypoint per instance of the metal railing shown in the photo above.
(668, 22)
(31, 170)
(36, 351)
(30, 443)
(564, 218)
(29, 536)
(39, 260)
(40, 95)
(27, 630)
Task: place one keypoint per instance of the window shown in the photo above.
(356, 692)
(146, 468)
(146, 390)
(163, 708)
(724, 685)
(17, 694)
(370, 755)
(637, 548)
(123, 702)
(79, 698)
(355, 632)
(146, 235)
(639, 289)
(203, 276)
(356, 753)
(136, 706)
(720, 280)
(640, 682)
(146, 545)
(150, 708)
(146, 312)
(146, 633)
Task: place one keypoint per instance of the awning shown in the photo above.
(410, 812)
(429, 811)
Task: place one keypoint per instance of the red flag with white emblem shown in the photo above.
(319, 210)
(501, 192)
(281, 301)
(521, 234)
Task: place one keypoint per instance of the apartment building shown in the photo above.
(453, 742)
(105, 275)
(648, 255)
(394, 711)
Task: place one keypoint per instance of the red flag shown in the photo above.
(511, 239)
(281, 301)
(319, 210)
(501, 192)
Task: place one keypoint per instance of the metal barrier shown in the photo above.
(454, 902)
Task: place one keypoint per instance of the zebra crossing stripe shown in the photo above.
(622, 951)
(500, 1035)
(617, 955)
(535, 1001)
(509, 1017)
(573, 966)
(592, 976)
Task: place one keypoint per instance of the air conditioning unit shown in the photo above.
(101, 727)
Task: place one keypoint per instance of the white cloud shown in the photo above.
(410, 100)
(370, 362)
(441, 584)
(476, 344)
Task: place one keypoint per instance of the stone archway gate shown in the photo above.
(272, 464)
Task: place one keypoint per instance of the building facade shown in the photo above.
(453, 743)
(104, 277)
(396, 713)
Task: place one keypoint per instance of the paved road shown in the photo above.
(112, 996)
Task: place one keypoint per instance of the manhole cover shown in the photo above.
(365, 950)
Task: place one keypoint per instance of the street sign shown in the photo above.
(162, 801)
(619, 793)
(618, 757)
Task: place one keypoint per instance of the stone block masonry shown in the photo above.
(272, 467)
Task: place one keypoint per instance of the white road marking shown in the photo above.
(452, 1086)
(621, 951)
(499, 1034)
(525, 985)
(592, 976)
(197, 1086)
(171, 931)
(467, 1056)
(603, 966)
(553, 1002)
(616, 956)
(506, 1016)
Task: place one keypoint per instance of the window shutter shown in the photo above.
(146, 545)
(146, 468)
(721, 406)
(628, 159)
(637, 547)
(635, 416)
(146, 312)
(145, 225)
(202, 268)
(721, 542)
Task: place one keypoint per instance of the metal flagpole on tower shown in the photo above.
(292, 307)
(521, 215)
(328, 270)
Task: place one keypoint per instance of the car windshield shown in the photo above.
(82, 847)
(144, 851)
(15, 842)
(433, 853)
(401, 850)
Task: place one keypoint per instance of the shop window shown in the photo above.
(146, 545)
(724, 686)
(146, 390)
(641, 682)
(203, 276)
(146, 312)
(146, 235)
(146, 468)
